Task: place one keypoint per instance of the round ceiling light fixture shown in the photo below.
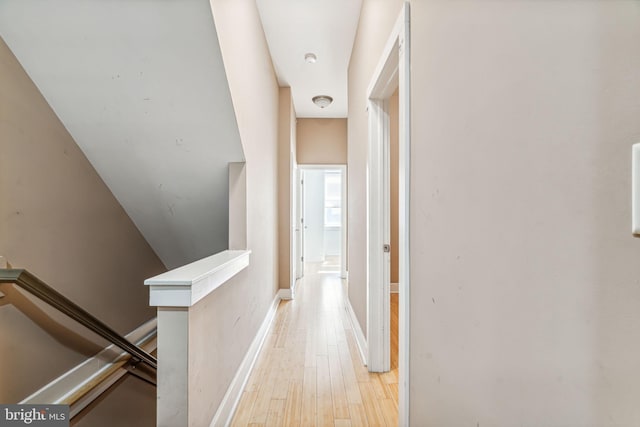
(322, 101)
(310, 58)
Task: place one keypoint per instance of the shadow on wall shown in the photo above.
(56, 330)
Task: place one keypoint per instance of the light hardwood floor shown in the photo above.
(309, 372)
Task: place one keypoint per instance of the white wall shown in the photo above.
(332, 241)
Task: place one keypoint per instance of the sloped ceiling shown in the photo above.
(141, 87)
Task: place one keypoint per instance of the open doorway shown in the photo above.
(394, 229)
(391, 75)
(322, 210)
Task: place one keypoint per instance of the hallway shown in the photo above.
(309, 371)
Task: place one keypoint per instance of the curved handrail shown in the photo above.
(46, 293)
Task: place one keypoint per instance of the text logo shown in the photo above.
(34, 415)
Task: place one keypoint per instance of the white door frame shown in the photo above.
(393, 71)
(295, 264)
(343, 204)
(297, 236)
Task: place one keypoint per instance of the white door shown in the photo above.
(313, 215)
(378, 254)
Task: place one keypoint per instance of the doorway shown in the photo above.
(394, 210)
(391, 74)
(322, 219)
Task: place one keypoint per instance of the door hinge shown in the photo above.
(386, 247)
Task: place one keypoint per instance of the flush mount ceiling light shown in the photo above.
(322, 101)
(310, 58)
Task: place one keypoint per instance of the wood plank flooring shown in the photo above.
(309, 372)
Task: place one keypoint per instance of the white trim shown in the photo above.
(186, 285)
(286, 294)
(230, 401)
(393, 71)
(378, 327)
(361, 341)
(60, 390)
(293, 248)
(394, 288)
(404, 218)
(635, 190)
(343, 204)
(298, 227)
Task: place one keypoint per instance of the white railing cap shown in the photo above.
(186, 285)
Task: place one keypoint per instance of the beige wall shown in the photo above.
(524, 297)
(376, 21)
(60, 221)
(231, 316)
(286, 158)
(524, 271)
(322, 141)
(130, 403)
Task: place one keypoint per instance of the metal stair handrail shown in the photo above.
(46, 293)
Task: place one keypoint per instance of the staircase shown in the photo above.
(142, 90)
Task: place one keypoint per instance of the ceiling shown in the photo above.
(141, 87)
(326, 28)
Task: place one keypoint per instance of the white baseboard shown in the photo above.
(65, 387)
(360, 339)
(287, 294)
(394, 288)
(230, 401)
